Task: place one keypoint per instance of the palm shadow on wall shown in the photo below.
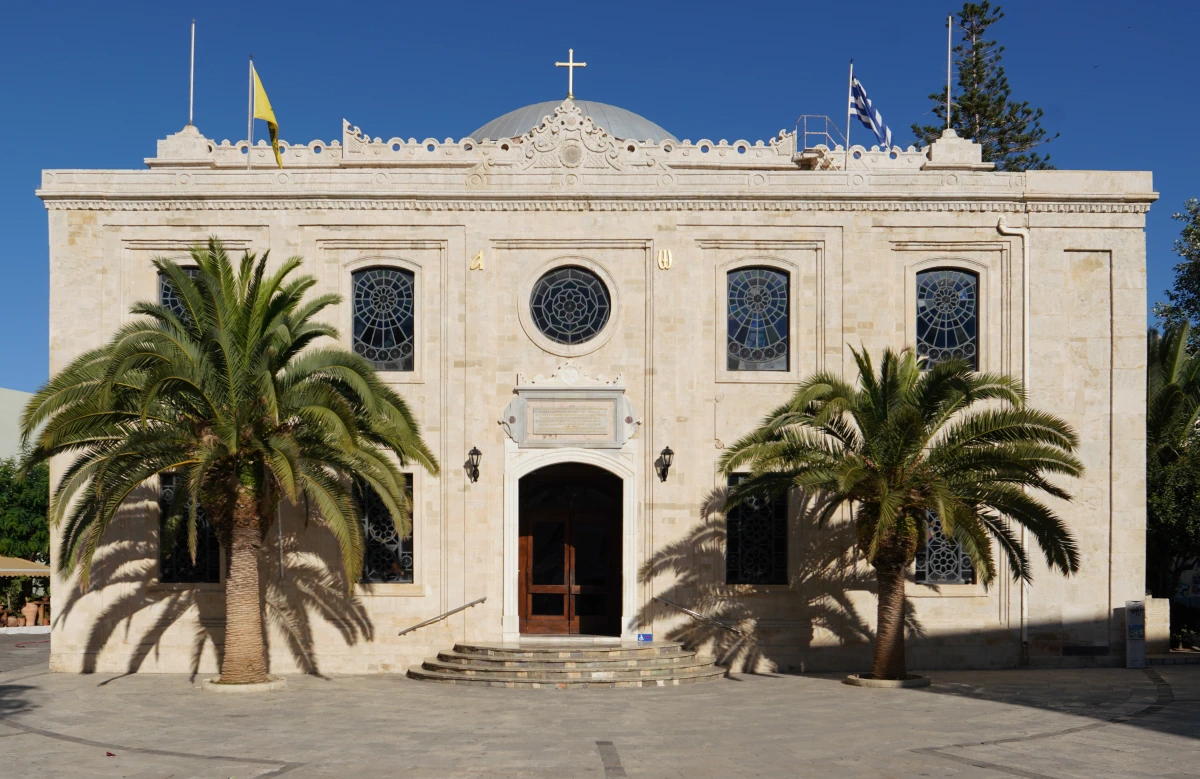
(307, 589)
(815, 606)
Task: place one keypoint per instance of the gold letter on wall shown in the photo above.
(664, 259)
(477, 263)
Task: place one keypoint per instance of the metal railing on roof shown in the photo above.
(814, 130)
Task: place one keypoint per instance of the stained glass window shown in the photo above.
(756, 540)
(167, 295)
(941, 560)
(757, 338)
(570, 305)
(174, 558)
(383, 317)
(948, 315)
(387, 556)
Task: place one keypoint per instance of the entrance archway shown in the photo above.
(570, 551)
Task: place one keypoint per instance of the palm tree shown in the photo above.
(1172, 458)
(1172, 392)
(231, 391)
(914, 444)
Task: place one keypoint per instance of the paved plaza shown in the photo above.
(1034, 724)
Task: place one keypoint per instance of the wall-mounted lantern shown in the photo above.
(473, 464)
(665, 458)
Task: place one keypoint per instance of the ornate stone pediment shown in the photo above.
(569, 408)
(569, 374)
(566, 141)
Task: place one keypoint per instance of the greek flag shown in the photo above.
(860, 106)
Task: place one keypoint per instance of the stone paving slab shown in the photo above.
(1035, 724)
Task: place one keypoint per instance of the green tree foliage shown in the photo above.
(24, 505)
(1172, 458)
(909, 446)
(24, 531)
(983, 109)
(1184, 296)
(238, 396)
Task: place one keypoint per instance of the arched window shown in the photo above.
(383, 317)
(167, 295)
(387, 556)
(948, 315)
(758, 320)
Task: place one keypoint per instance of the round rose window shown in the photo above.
(570, 305)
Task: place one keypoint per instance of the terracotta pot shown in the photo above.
(30, 611)
(12, 621)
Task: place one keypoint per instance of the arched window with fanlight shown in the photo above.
(948, 316)
(167, 295)
(383, 301)
(758, 320)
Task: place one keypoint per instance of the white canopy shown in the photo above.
(15, 566)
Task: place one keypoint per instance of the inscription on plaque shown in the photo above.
(572, 420)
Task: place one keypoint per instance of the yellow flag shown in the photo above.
(262, 110)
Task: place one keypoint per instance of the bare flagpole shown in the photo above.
(949, 48)
(849, 99)
(250, 116)
(192, 76)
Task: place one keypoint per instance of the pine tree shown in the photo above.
(983, 111)
(1184, 295)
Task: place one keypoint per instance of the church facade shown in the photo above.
(583, 311)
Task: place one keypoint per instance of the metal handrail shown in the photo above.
(700, 616)
(463, 607)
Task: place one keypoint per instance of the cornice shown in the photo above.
(560, 204)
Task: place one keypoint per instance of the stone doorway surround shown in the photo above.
(527, 449)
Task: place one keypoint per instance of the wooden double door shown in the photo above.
(570, 565)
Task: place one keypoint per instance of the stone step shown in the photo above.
(1174, 658)
(552, 671)
(565, 651)
(690, 676)
(682, 657)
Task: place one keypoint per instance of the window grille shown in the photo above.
(941, 560)
(175, 559)
(387, 557)
(756, 540)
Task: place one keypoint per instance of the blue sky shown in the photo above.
(93, 85)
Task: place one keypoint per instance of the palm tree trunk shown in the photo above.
(890, 662)
(245, 660)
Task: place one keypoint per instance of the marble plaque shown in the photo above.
(573, 419)
(569, 408)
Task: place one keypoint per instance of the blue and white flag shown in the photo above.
(860, 106)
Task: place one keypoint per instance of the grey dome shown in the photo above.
(617, 122)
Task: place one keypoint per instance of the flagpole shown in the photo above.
(250, 116)
(949, 46)
(192, 76)
(849, 99)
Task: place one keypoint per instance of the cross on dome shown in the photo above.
(570, 65)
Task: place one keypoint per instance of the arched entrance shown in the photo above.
(569, 577)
